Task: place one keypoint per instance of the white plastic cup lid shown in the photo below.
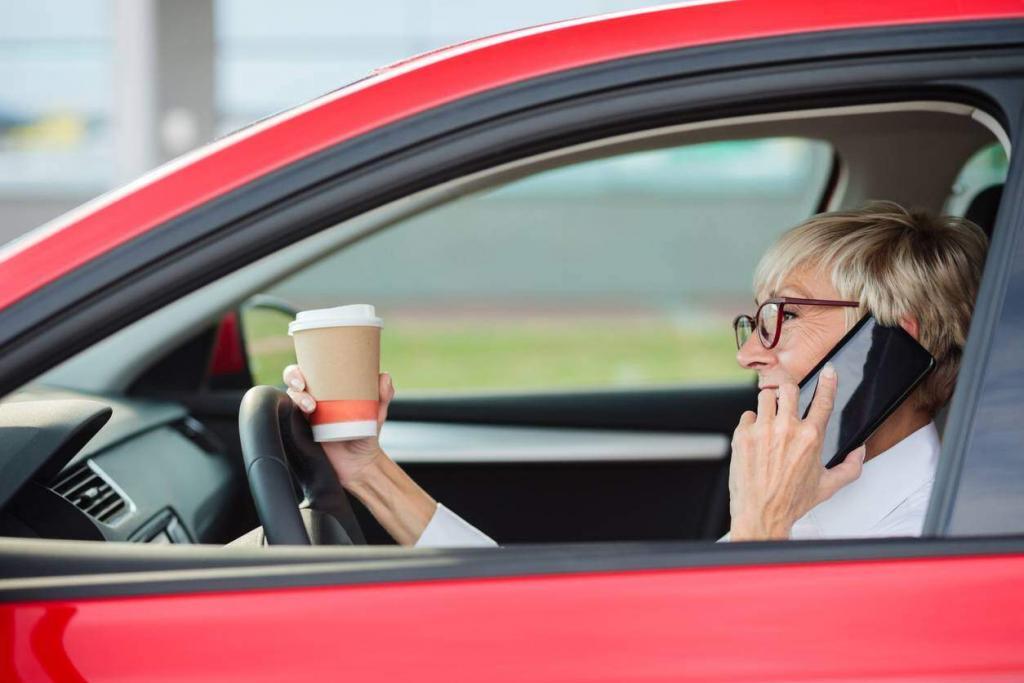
(354, 315)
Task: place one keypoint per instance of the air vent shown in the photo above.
(90, 493)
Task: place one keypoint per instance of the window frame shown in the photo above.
(977, 368)
(286, 206)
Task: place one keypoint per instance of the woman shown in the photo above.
(905, 268)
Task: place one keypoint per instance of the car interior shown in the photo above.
(629, 462)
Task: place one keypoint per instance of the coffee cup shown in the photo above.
(338, 350)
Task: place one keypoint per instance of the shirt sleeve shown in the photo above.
(447, 530)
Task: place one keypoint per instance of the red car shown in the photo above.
(123, 365)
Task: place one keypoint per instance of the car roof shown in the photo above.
(426, 81)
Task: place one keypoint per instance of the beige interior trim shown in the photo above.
(429, 442)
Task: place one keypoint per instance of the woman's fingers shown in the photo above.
(743, 430)
(842, 474)
(293, 378)
(387, 392)
(766, 405)
(296, 384)
(824, 397)
(789, 395)
(304, 401)
(385, 388)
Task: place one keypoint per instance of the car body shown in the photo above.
(112, 292)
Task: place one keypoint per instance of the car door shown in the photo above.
(935, 607)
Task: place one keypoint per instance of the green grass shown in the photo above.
(524, 354)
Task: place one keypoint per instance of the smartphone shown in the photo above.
(878, 368)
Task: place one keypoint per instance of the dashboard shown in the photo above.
(117, 470)
(163, 470)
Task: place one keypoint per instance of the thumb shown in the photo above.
(843, 474)
(386, 391)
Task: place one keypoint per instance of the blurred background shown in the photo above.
(93, 93)
(618, 272)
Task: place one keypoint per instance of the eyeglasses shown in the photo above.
(768, 319)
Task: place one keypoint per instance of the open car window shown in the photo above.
(559, 331)
(611, 273)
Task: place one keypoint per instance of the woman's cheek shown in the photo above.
(794, 364)
(800, 357)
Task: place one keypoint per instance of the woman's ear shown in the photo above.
(912, 327)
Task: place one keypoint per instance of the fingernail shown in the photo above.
(307, 404)
(295, 384)
(829, 370)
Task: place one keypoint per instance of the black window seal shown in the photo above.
(34, 570)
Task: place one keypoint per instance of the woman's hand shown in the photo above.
(776, 474)
(350, 459)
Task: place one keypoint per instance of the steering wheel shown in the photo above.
(279, 452)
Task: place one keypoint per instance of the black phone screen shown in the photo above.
(878, 366)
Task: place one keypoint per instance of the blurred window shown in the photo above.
(624, 271)
(55, 99)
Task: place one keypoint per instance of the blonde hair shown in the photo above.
(896, 263)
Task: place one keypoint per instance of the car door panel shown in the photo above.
(608, 465)
(444, 443)
(954, 616)
(524, 484)
(575, 502)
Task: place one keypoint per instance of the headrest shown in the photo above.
(983, 208)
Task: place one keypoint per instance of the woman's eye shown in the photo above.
(789, 316)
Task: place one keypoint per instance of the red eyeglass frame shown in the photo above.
(781, 303)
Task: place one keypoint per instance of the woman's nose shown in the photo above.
(752, 355)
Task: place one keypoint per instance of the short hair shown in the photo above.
(896, 263)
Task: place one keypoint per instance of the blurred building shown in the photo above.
(95, 92)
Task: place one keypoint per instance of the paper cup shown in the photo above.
(338, 350)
